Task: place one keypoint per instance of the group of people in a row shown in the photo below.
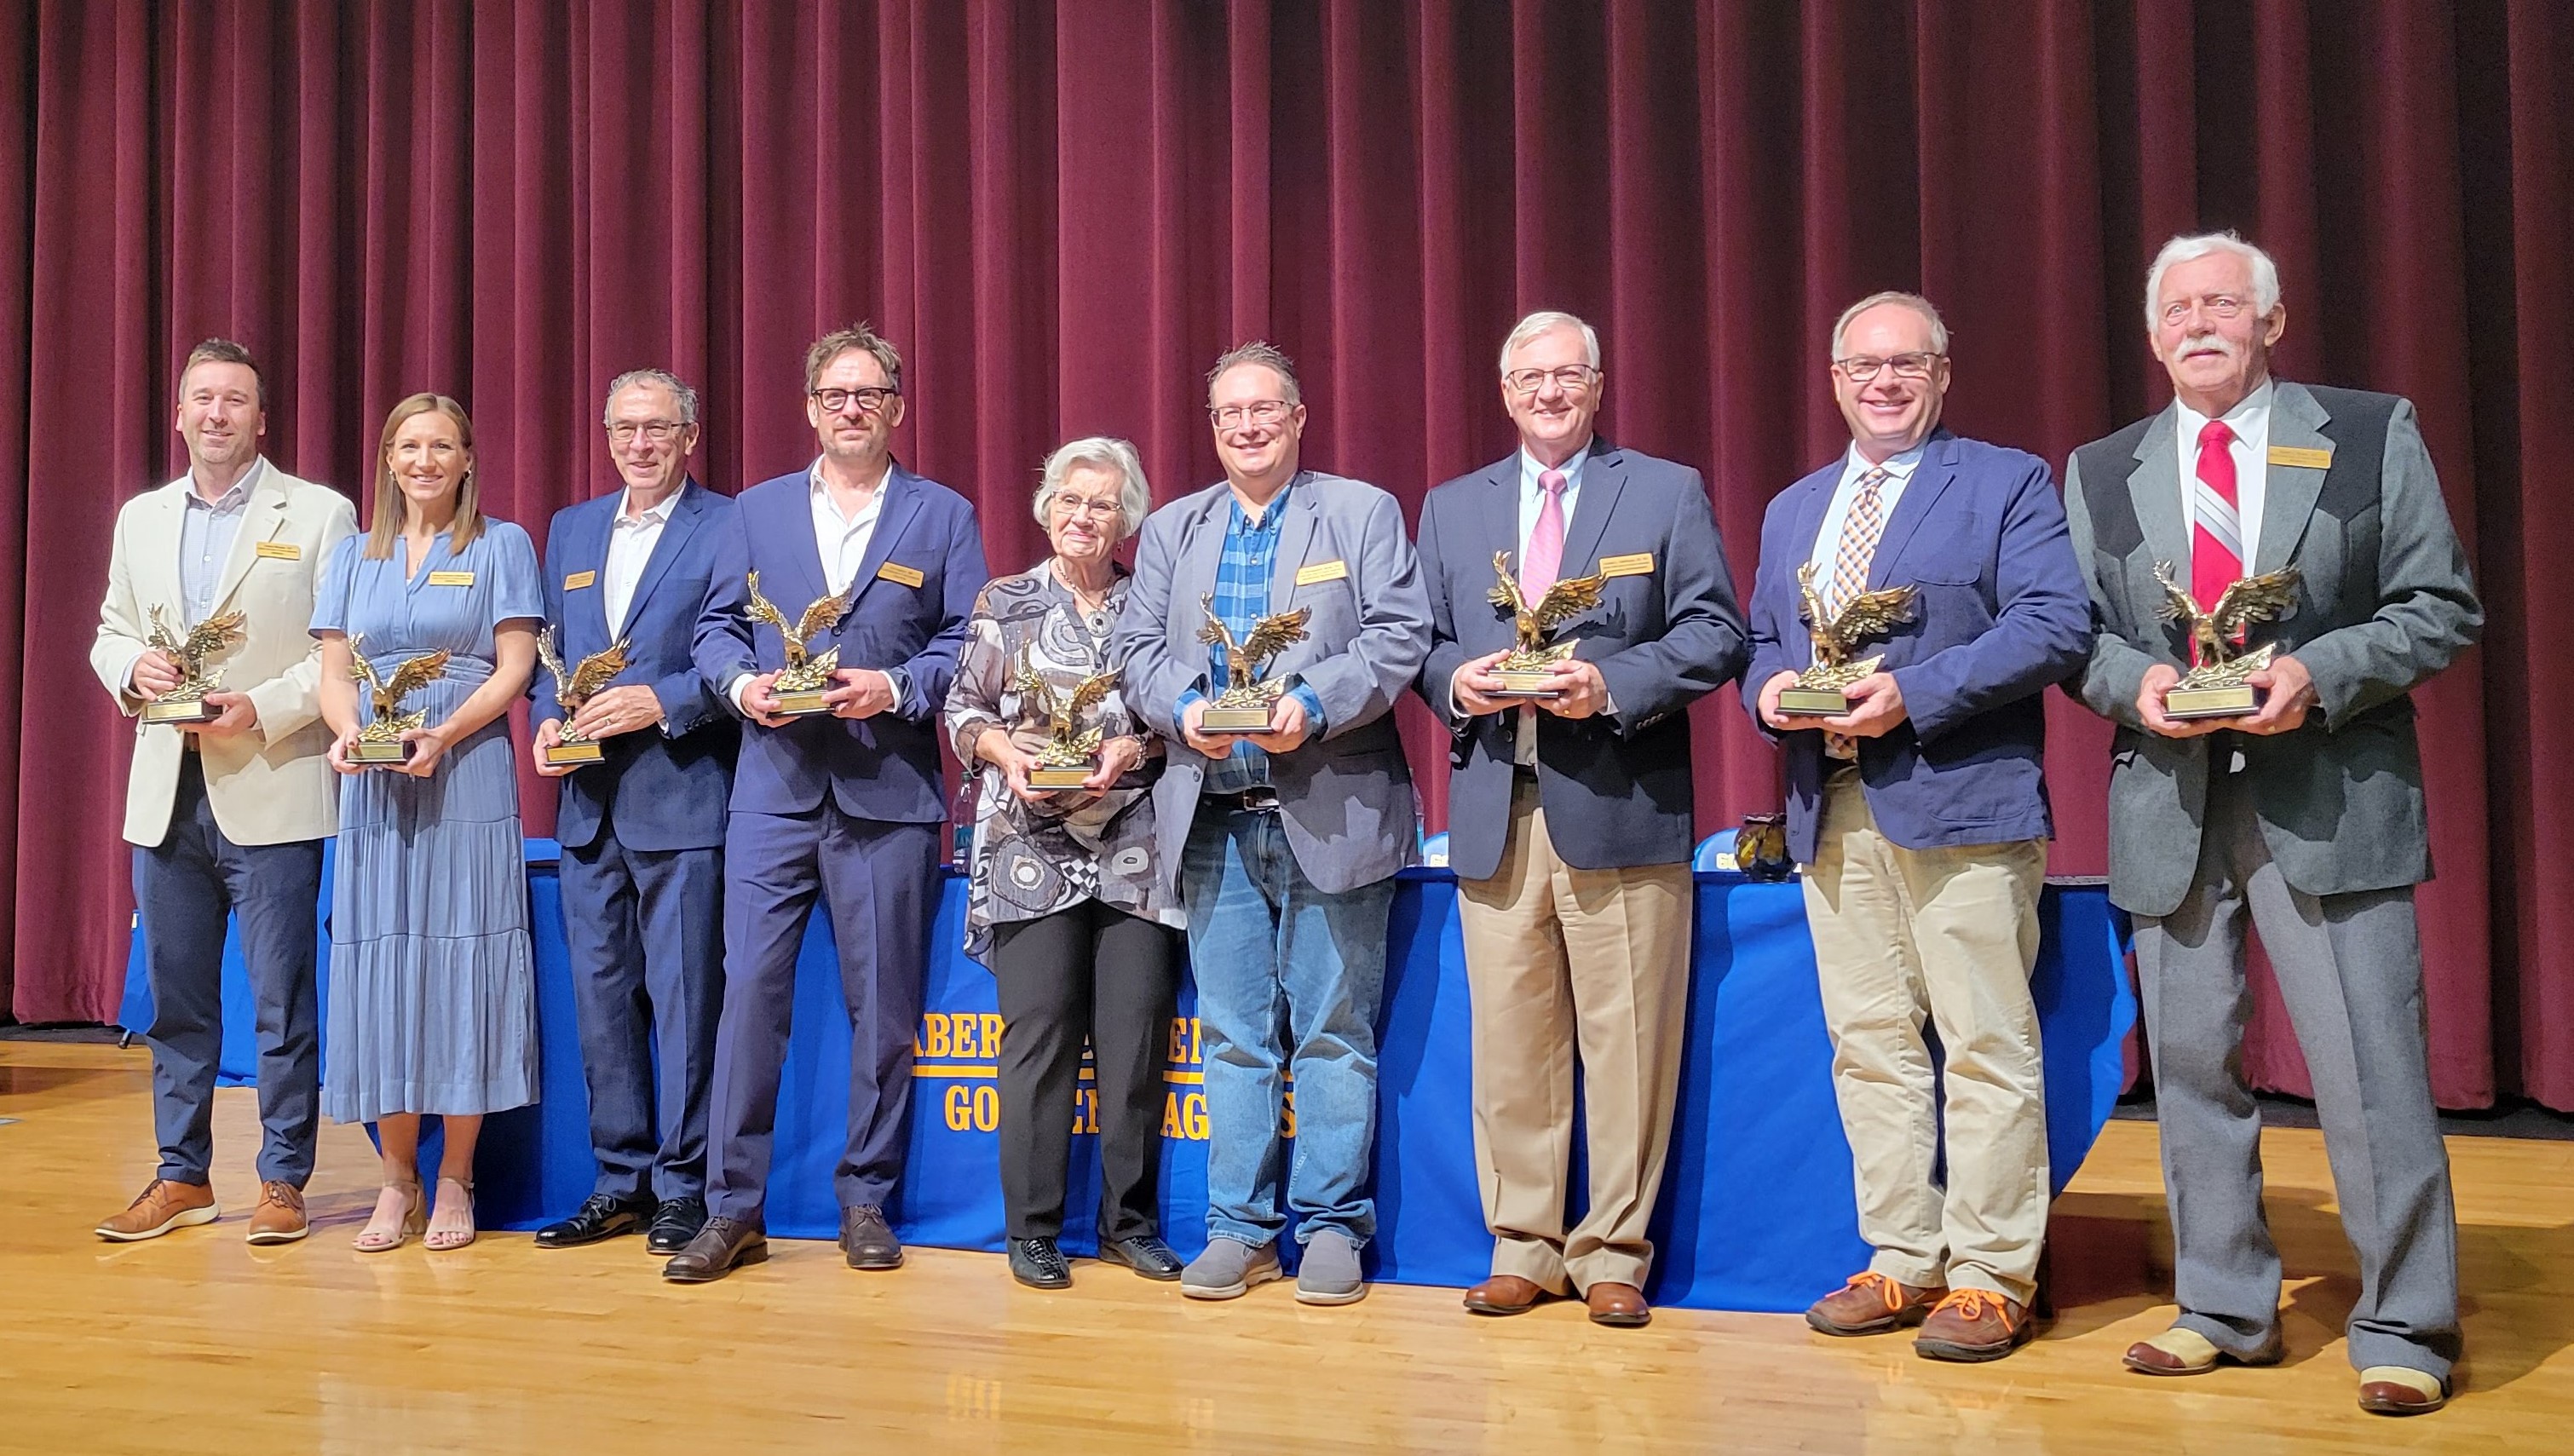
(694, 849)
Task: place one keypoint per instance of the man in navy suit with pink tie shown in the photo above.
(846, 803)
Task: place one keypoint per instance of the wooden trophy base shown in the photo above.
(1524, 682)
(578, 751)
(802, 704)
(1236, 720)
(1061, 776)
(379, 751)
(1812, 703)
(2184, 704)
(191, 710)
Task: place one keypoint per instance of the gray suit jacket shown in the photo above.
(1346, 797)
(1616, 787)
(2384, 601)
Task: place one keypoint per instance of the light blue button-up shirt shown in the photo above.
(207, 530)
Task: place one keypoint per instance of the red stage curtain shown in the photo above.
(1061, 213)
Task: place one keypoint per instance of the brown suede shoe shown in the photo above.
(164, 1204)
(279, 1219)
(1621, 1306)
(1872, 1304)
(1507, 1294)
(1972, 1325)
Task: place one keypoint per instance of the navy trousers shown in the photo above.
(880, 882)
(645, 929)
(186, 887)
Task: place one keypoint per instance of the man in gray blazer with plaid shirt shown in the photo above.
(2307, 811)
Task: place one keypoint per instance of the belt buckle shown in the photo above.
(1260, 799)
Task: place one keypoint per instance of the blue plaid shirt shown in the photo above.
(1241, 599)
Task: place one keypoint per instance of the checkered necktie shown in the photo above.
(1851, 560)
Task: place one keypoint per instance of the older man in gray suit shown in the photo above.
(2307, 811)
(1285, 840)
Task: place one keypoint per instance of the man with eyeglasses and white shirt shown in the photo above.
(1920, 812)
(1570, 816)
(844, 804)
(2308, 812)
(643, 826)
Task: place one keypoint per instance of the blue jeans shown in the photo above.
(1288, 981)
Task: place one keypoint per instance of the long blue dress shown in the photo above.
(433, 983)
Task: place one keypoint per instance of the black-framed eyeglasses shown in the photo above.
(1572, 378)
(1861, 368)
(868, 398)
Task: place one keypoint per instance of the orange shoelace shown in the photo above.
(1971, 1303)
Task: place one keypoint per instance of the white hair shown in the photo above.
(1913, 301)
(1134, 497)
(1543, 321)
(684, 397)
(2265, 272)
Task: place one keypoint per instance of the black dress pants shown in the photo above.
(1090, 970)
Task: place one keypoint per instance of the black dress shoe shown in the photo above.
(673, 1224)
(1038, 1264)
(867, 1240)
(724, 1245)
(602, 1217)
(1143, 1253)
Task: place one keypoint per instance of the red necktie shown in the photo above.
(2216, 538)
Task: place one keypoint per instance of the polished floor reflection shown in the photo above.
(200, 1342)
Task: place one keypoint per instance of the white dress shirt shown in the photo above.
(630, 546)
(1827, 539)
(2250, 422)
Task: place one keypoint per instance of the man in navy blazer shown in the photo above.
(1920, 816)
(1569, 819)
(847, 803)
(642, 828)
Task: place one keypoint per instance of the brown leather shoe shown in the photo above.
(279, 1219)
(2396, 1390)
(724, 1245)
(164, 1204)
(1872, 1304)
(1507, 1294)
(2184, 1351)
(1973, 1325)
(1619, 1305)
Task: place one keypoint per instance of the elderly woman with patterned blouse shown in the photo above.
(1066, 907)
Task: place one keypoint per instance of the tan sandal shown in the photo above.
(442, 1240)
(375, 1238)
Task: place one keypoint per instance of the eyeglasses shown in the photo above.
(868, 398)
(1572, 378)
(660, 432)
(1258, 411)
(1859, 369)
(1072, 505)
(2218, 305)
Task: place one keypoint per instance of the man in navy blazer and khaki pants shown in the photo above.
(844, 805)
(1920, 816)
(1569, 820)
(642, 828)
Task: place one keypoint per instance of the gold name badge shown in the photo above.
(1322, 571)
(895, 572)
(2295, 455)
(1640, 563)
(579, 580)
(279, 550)
(450, 578)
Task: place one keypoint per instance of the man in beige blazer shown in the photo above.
(227, 815)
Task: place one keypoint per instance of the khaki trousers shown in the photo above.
(1951, 935)
(1559, 958)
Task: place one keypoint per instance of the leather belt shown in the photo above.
(1261, 799)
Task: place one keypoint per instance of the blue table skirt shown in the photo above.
(1755, 1211)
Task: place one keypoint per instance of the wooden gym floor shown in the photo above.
(197, 1342)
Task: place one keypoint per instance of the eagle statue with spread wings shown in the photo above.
(802, 674)
(1836, 635)
(2269, 596)
(387, 693)
(1243, 659)
(188, 651)
(1067, 745)
(1530, 622)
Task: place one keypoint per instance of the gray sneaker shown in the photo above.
(1228, 1269)
(1329, 1272)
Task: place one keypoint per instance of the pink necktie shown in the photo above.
(2217, 541)
(1546, 539)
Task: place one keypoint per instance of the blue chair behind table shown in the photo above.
(1715, 854)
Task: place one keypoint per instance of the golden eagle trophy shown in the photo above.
(801, 686)
(2215, 688)
(381, 742)
(1245, 704)
(1817, 693)
(571, 689)
(1527, 670)
(187, 702)
(1071, 754)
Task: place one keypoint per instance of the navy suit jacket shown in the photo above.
(1616, 787)
(661, 787)
(882, 767)
(2001, 612)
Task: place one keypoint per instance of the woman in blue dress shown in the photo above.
(432, 1000)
